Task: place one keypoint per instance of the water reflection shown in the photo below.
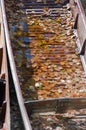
(22, 53)
(19, 34)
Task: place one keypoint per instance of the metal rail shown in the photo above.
(59, 105)
(13, 70)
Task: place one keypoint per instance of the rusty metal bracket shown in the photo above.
(83, 48)
(76, 22)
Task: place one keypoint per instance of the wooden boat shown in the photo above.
(4, 82)
(58, 104)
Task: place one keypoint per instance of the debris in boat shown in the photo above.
(39, 85)
(56, 121)
(53, 57)
(59, 128)
(59, 91)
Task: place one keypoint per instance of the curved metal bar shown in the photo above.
(13, 70)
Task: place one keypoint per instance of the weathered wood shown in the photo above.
(4, 86)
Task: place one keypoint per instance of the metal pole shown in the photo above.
(13, 70)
